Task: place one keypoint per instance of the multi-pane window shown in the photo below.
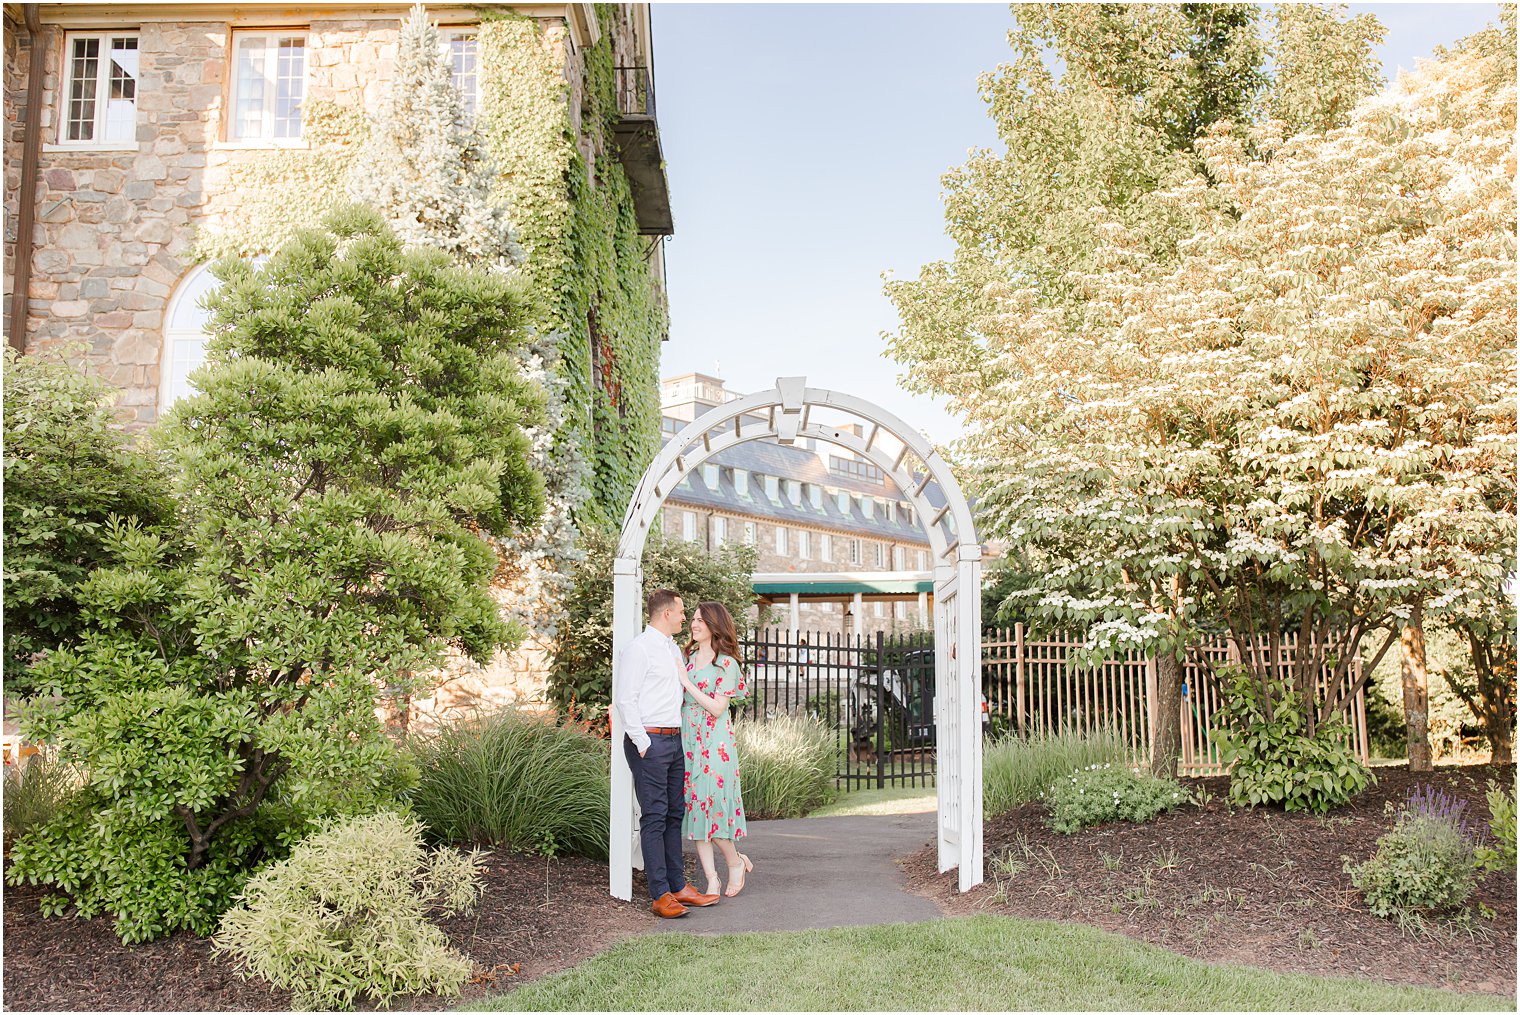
(689, 526)
(804, 544)
(881, 554)
(781, 546)
(749, 533)
(898, 561)
(462, 53)
(825, 547)
(268, 86)
(719, 531)
(101, 88)
(854, 551)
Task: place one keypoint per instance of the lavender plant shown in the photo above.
(1426, 865)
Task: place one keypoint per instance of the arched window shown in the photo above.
(185, 336)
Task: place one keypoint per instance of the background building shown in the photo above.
(811, 510)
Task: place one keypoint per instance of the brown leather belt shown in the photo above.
(669, 731)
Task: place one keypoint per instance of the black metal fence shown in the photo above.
(875, 693)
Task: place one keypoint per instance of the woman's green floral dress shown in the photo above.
(714, 809)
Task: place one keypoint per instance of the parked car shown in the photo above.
(906, 689)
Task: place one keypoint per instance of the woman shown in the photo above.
(714, 809)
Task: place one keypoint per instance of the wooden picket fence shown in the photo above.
(1030, 685)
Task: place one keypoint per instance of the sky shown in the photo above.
(804, 145)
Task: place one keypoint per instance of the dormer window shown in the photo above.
(741, 482)
(772, 486)
(815, 495)
(710, 477)
(844, 502)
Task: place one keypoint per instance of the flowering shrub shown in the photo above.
(1108, 792)
(1425, 864)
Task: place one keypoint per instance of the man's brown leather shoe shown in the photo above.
(667, 907)
(689, 896)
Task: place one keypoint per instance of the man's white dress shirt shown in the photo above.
(649, 685)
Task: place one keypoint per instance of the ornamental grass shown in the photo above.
(1016, 769)
(517, 780)
(786, 766)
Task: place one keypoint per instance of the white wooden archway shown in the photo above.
(783, 414)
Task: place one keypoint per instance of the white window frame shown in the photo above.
(781, 543)
(173, 382)
(804, 545)
(855, 551)
(689, 526)
(719, 530)
(751, 533)
(447, 37)
(826, 547)
(101, 120)
(899, 559)
(881, 555)
(265, 134)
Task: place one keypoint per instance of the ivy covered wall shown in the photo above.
(570, 200)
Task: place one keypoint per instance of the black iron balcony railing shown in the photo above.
(635, 91)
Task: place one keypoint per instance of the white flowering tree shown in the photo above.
(424, 168)
(1299, 418)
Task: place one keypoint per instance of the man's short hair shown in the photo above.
(658, 600)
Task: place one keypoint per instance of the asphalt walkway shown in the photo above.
(820, 872)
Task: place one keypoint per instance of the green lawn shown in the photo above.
(978, 963)
(892, 800)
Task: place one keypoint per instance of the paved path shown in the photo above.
(820, 872)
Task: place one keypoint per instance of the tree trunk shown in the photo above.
(1166, 733)
(1491, 698)
(1416, 691)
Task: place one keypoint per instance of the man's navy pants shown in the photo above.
(659, 782)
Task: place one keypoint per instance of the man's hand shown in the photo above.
(641, 753)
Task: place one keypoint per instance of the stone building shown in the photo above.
(840, 550)
(143, 140)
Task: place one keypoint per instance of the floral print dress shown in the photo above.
(714, 809)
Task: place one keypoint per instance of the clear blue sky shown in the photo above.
(804, 145)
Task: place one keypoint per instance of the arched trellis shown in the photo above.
(783, 414)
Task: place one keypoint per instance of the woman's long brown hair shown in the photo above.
(725, 640)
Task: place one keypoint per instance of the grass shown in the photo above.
(982, 963)
(786, 766)
(1015, 769)
(515, 779)
(892, 800)
(34, 792)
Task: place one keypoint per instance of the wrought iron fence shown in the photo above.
(875, 694)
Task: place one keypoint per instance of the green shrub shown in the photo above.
(1425, 865)
(1108, 792)
(1016, 770)
(517, 780)
(359, 430)
(346, 914)
(786, 766)
(581, 674)
(68, 468)
(36, 792)
(1501, 822)
(1276, 760)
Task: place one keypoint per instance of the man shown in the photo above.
(649, 700)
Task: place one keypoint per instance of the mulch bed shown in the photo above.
(1258, 887)
(536, 917)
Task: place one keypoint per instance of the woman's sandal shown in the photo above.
(747, 866)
